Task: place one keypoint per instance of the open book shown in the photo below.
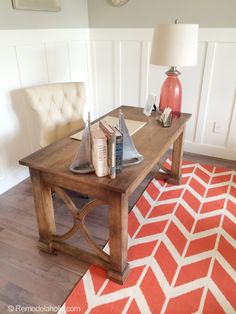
(132, 125)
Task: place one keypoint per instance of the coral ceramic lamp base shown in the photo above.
(171, 92)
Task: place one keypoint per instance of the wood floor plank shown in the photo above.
(28, 252)
(3, 306)
(14, 295)
(3, 282)
(47, 290)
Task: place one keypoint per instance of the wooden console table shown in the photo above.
(49, 170)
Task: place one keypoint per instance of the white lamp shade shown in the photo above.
(175, 45)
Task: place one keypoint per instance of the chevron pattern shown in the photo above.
(182, 251)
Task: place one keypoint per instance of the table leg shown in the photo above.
(173, 176)
(177, 158)
(118, 221)
(44, 210)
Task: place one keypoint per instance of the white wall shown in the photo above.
(31, 57)
(148, 13)
(118, 72)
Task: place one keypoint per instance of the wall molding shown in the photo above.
(35, 36)
(205, 88)
(205, 34)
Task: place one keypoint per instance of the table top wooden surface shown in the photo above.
(152, 141)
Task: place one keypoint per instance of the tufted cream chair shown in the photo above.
(59, 107)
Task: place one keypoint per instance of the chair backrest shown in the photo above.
(59, 107)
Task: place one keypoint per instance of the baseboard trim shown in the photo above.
(13, 178)
(213, 151)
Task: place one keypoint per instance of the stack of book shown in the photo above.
(107, 150)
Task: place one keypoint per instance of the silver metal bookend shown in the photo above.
(130, 154)
(83, 159)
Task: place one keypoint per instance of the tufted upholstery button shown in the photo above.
(59, 107)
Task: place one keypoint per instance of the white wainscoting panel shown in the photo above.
(32, 63)
(1, 172)
(131, 72)
(32, 57)
(192, 91)
(231, 140)
(221, 95)
(103, 69)
(208, 88)
(58, 62)
(13, 143)
(80, 69)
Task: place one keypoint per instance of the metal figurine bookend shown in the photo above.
(83, 159)
(130, 154)
(166, 118)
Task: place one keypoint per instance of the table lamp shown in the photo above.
(174, 45)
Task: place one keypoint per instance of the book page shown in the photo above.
(132, 125)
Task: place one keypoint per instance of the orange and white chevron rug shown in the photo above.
(182, 251)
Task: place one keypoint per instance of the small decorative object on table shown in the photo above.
(166, 118)
(130, 154)
(83, 159)
(150, 104)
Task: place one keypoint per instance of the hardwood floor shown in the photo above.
(29, 277)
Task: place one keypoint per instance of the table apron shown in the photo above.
(91, 190)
